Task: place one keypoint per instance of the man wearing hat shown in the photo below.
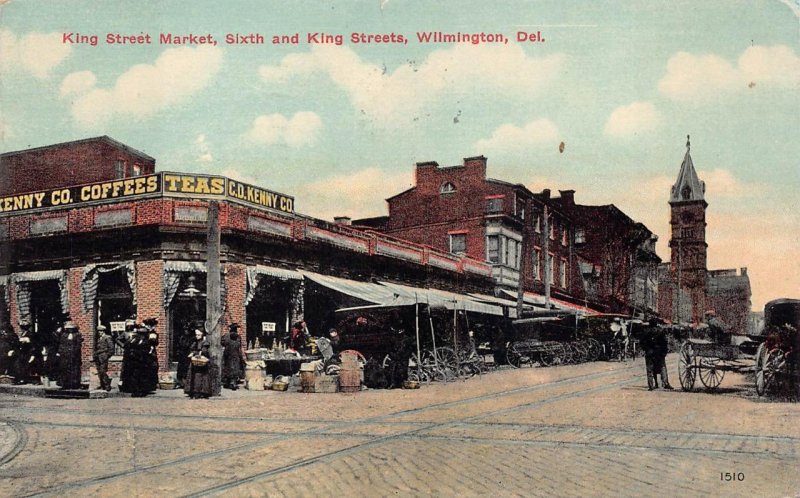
(103, 351)
(9, 351)
(28, 364)
(716, 328)
(233, 359)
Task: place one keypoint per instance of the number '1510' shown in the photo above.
(731, 476)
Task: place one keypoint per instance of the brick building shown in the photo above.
(71, 163)
(618, 260)
(687, 289)
(459, 210)
(135, 245)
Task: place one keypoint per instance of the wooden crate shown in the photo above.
(326, 384)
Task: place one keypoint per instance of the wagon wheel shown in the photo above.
(710, 372)
(547, 357)
(513, 357)
(581, 352)
(448, 362)
(686, 371)
(594, 349)
(761, 374)
(774, 362)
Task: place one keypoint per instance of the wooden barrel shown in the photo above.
(307, 380)
(349, 381)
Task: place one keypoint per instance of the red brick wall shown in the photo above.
(235, 312)
(84, 320)
(67, 164)
(150, 304)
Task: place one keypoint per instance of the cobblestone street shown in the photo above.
(586, 430)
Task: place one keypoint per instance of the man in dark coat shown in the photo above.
(69, 357)
(9, 351)
(647, 343)
(660, 350)
(102, 353)
(233, 359)
(182, 354)
(402, 349)
(28, 360)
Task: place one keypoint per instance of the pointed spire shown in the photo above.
(688, 186)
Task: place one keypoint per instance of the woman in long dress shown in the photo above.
(198, 382)
(69, 353)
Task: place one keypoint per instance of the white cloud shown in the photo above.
(34, 53)
(721, 183)
(79, 82)
(203, 150)
(389, 97)
(235, 174)
(301, 129)
(5, 130)
(633, 119)
(704, 77)
(366, 190)
(534, 134)
(145, 89)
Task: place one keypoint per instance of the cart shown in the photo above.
(710, 360)
(777, 363)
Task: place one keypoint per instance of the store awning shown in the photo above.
(257, 272)
(538, 300)
(446, 299)
(366, 291)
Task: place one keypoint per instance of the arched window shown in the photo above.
(447, 188)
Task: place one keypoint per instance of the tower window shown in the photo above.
(686, 193)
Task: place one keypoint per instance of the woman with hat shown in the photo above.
(69, 356)
(198, 381)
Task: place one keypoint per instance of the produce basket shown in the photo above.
(199, 361)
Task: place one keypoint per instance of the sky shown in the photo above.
(339, 126)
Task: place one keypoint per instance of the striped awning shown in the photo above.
(22, 281)
(174, 270)
(257, 272)
(91, 279)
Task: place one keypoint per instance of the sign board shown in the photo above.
(267, 326)
(164, 184)
(117, 326)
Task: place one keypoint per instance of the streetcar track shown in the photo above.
(325, 457)
(341, 424)
(422, 409)
(20, 443)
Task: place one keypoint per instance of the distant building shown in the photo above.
(687, 289)
(593, 256)
(619, 262)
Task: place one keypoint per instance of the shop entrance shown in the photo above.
(272, 304)
(186, 312)
(46, 312)
(114, 301)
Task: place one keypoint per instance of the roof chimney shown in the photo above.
(568, 196)
(342, 220)
(743, 271)
(546, 193)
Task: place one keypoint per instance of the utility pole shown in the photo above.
(213, 296)
(546, 252)
(523, 256)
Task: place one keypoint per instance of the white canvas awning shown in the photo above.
(442, 298)
(366, 291)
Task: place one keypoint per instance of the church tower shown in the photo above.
(688, 243)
